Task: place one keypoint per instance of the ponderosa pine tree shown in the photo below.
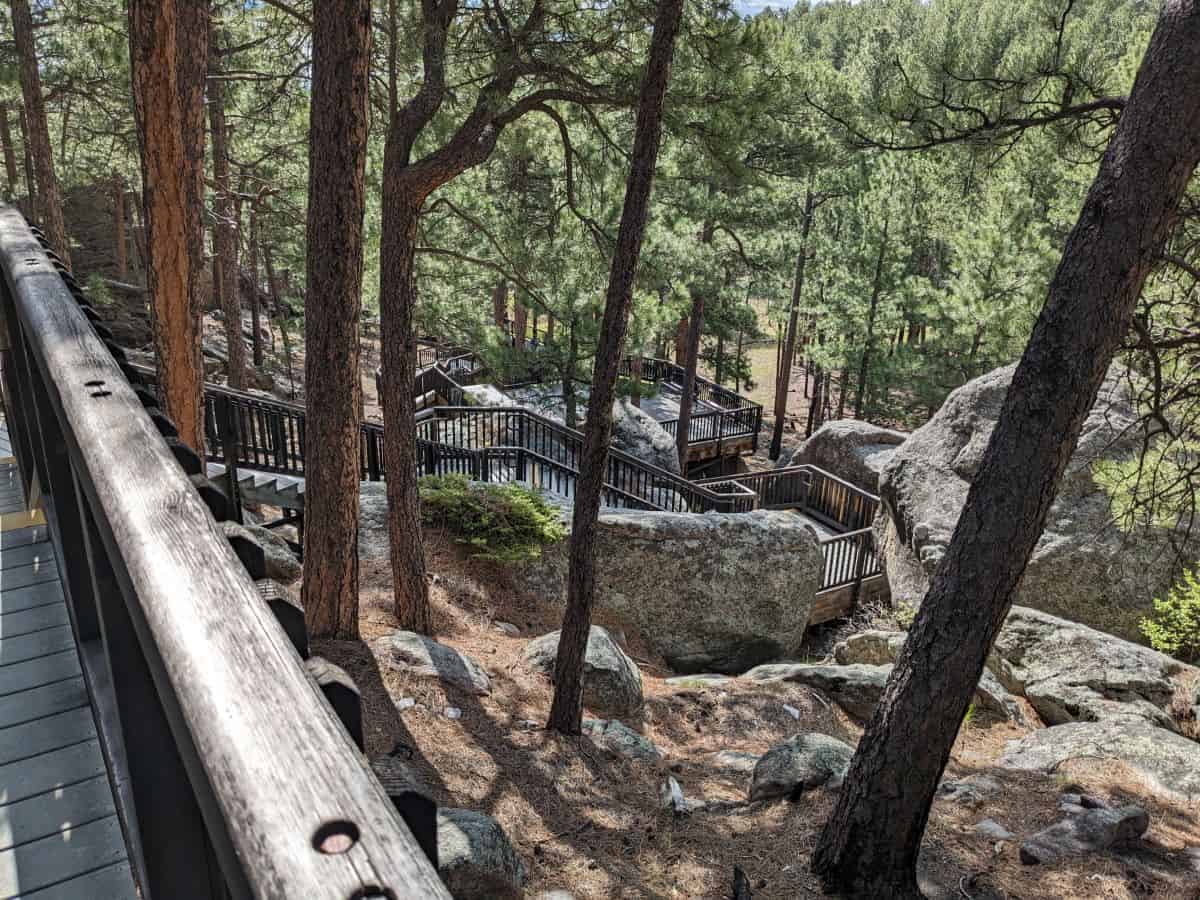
(870, 844)
(49, 205)
(168, 44)
(566, 710)
(336, 202)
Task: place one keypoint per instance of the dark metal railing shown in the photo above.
(738, 416)
(233, 776)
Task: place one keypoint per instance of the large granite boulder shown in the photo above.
(373, 543)
(855, 688)
(1168, 761)
(642, 437)
(800, 764)
(1068, 672)
(612, 683)
(1085, 567)
(1071, 673)
(710, 593)
(475, 857)
(852, 450)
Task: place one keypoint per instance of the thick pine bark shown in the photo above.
(31, 198)
(783, 378)
(228, 224)
(870, 844)
(681, 340)
(170, 116)
(49, 205)
(10, 153)
(398, 352)
(281, 316)
(336, 202)
(566, 711)
(500, 303)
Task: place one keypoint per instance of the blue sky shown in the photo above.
(753, 7)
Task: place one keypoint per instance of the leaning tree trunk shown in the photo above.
(398, 352)
(870, 844)
(227, 228)
(783, 380)
(49, 200)
(691, 360)
(171, 133)
(10, 153)
(566, 711)
(334, 262)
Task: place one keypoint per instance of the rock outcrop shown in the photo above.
(621, 740)
(1088, 831)
(612, 683)
(710, 593)
(855, 688)
(1085, 567)
(475, 858)
(800, 764)
(423, 657)
(1168, 761)
(852, 450)
(640, 436)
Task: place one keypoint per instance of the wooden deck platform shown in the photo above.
(60, 836)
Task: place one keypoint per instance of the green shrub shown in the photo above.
(1175, 626)
(502, 522)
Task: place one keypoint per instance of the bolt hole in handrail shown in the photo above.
(234, 760)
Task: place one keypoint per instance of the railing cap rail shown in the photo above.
(257, 738)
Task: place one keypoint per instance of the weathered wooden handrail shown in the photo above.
(243, 782)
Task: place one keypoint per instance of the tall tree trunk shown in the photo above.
(570, 410)
(566, 711)
(167, 48)
(520, 322)
(31, 194)
(228, 222)
(38, 135)
(255, 325)
(681, 341)
(869, 342)
(783, 381)
(119, 227)
(336, 201)
(500, 303)
(691, 358)
(398, 351)
(870, 843)
(281, 315)
(10, 154)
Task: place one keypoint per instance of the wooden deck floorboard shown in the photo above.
(60, 836)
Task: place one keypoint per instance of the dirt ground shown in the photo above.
(589, 822)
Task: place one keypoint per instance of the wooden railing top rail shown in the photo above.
(272, 768)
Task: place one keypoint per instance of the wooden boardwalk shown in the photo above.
(60, 836)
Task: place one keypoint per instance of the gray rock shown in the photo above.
(734, 761)
(699, 680)
(993, 830)
(485, 395)
(970, 791)
(373, 522)
(1070, 672)
(799, 764)
(711, 593)
(855, 688)
(475, 858)
(639, 435)
(993, 700)
(415, 654)
(852, 450)
(612, 682)
(875, 648)
(1090, 831)
(621, 740)
(507, 628)
(1083, 567)
(282, 565)
(1169, 762)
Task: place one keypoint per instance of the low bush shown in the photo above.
(1174, 627)
(502, 522)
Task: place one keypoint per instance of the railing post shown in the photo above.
(373, 470)
(860, 565)
(227, 417)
